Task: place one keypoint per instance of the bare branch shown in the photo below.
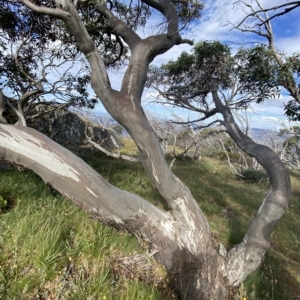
(290, 84)
(108, 153)
(71, 18)
(232, 167)
(293, 5)
(20, 114)
(209, 124)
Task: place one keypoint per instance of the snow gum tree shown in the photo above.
(37, 65)
(284, 71)
(181, 236)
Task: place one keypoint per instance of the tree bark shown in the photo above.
(244, 258)
(196, 274)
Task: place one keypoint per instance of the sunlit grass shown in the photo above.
(50, 248)
(129, 147)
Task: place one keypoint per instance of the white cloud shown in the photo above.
(269, 118)
(289, 45)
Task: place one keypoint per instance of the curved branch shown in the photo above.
(110, 154)
(168, 10)
(245, 257)
(187, 41)
(128, 35)
(294, 3)
(70, 17)
(118, 58)
(287, 10)
(125, 108)
(20, 114)
(25, 97)
(208, 125)
(77, 181)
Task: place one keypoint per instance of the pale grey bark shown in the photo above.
(167, 234)
(20, 114)
(246, 257)
(65, 171)
(193, 233)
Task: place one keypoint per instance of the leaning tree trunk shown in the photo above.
(196, 269)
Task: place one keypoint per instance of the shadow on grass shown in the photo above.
(272, 281)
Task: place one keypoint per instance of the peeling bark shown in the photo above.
(167, 232)
(65, 172)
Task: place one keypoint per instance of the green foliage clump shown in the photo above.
(3, 203)
(254, 176)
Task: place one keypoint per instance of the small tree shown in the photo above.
(39, 64)
(286, 69)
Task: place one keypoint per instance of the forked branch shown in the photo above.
(288, 7)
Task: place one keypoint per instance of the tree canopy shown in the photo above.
(249, 75)
(286, 67)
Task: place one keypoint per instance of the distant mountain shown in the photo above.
(259, 133)
(265, 135)
(256, 133)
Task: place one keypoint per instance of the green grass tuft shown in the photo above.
(50, 249)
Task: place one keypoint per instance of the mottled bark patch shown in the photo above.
(199, 277)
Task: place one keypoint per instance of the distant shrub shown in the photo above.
(215, 153)
(184, 158)
(254, 176)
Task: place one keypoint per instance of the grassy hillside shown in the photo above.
(50, 249)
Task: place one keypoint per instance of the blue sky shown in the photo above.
(211, 26)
